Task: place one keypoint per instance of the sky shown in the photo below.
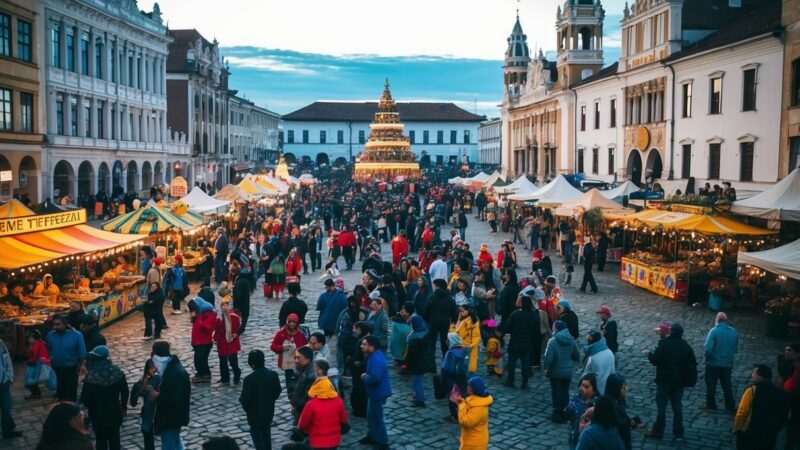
(285, 54)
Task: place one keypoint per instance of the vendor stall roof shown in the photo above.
(780, 202)
(622, 190)
(14, 208)
(201, 202)
(148, 220)
(251, 188)
(553, 193)
(42, 246)
(590, 200)
(695, 222)
(784, 260)
(521, 185)
(457, 180)
(232, 194)
(493, 178)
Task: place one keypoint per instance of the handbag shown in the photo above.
(52, 379)
(439, 389)
(292, 279)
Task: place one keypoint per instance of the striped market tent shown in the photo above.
(150, 219)
(14, 208)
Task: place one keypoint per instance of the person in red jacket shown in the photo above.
(36, 352)
(228, 345)
(485, 256)
(324, 416)
(400, 248)
(286, 341)
(427, 237)
(204, 320)
(347, 242)
(293, 267)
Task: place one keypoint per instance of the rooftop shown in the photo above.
(365, 112)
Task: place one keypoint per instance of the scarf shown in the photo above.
(161, 362)
(228, 333)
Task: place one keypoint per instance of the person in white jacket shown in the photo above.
(599, 359)
(6, 378)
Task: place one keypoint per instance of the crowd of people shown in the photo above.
(437, 306)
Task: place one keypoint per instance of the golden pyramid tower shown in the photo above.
(387, 153)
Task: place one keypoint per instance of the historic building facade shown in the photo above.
(253, 136)
(490, 142)
(104, 73)
(197, 100)
(334, 133)
(789, 157)
(21, 121)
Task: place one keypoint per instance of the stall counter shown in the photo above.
(659, 280)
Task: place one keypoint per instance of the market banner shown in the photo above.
(179, 187)
(655, 279)
(42, 222)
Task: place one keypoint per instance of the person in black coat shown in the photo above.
(440, 311)
(568, 316)
(674, 359)
(588, 261)
(92, 336)
(507, 300)
(241, 294)
(259, 392)
(105, 395)
(292, 305)
(173, 395)
(602, 250)
(357, 365)
(523, 325)
(152, 311)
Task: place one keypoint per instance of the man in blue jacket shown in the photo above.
(67, 354)
(376, 382)
(720, 348)
(330, 304)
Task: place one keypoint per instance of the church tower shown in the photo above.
(515, 69)
(580, 40)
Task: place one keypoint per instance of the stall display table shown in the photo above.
(664, 281)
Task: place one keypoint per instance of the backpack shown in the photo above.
(689, 374)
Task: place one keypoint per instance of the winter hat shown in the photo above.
(527, 291)
(538, 294)
(306, 352)
(491, 323)
(763, 371)
(663, 326)
(179, 258)
(158, 261)
(595, 335)
(375, 294)
(564, 304)
(478, 386)
(559, 325)
(99, 352)
(484, 248)
(550, 280)
(329, 282)
(604, 310)
(374, 275)
(294, 317)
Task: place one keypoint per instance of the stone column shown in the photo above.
(118, 120)
(63, 47)
(107, 120)
(81, 118)
(134, 69)
(107, 59)
(93, 117)
(67, 114)
(52, 120)
(142, 72)
(136, 125)
(123, 62)
(91, 54)
(126, 114)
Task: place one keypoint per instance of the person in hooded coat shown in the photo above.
(324, 416)
(523, 325)
(568, 316)
(172, 396)
(599, 359)
(418, 359)
(559, 356)
(602, 432)
(473, 415)
(454, 371)
(204, 320)
(105, 395)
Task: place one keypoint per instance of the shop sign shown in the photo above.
(654, 279)
(691, 209)
(28, 224)
(6, 176)
(179, 187)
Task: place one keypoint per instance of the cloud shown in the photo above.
(269, 64)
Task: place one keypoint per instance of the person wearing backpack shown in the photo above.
(676, 369)
(176, 284)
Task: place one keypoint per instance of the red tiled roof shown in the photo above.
(365, 112)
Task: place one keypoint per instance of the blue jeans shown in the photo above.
(171, 439)
(375, 421)
(417, 384)
(674, 395)
(262, 438)
(6, 420)
(462, 231)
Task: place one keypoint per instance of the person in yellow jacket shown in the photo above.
(761, 413)
(473, 415)
(48, 288)
(494, 350)
(468, 329)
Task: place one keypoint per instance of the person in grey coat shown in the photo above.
(559, 356)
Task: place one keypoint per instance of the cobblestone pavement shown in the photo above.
(518, 419)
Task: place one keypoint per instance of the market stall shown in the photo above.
(626, 188)
(200, 202)
(780, 202)
(521, 185)
(37, 245)
(680, 255)
(553, 193)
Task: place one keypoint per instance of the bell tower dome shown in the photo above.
(515, 67)
(579, 39)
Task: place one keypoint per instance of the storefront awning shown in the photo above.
(150, 219)
(43, 246)
(695, 222)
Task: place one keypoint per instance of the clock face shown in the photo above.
(642, 138)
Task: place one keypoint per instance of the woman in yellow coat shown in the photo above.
(47, 288)
(473, 415)
(468, 329)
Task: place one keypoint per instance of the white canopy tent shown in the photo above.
(493, 179)
(780, 202)
(553, 193)
(479, 178)
(671, 187)
(590, 200)
(200, 202)
(457, 180)
(784, 260)
(521, 185)
(626, 188)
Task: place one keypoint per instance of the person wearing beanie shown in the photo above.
(719, 350)
(204, 320)
(523, 325)
(761, 413)
(419, 358)
(286, 340)
(608, 327)
(176, 284)
(473, 414)
(228, 345)
(454, 371)
(494, 349)
(599, 359)
(105, 396)
(378, 389)
(568, 316)
(324, 418)
(617, 389)
(559, 356)
(304, 368)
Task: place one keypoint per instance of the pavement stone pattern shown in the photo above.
(518, 419)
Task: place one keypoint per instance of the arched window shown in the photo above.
(586, 38)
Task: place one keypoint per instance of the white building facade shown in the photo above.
(334, 133)
(253, 136)
(490, 142)
(104, 90)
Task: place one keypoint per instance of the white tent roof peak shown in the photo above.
(555, 192)
(784, 260)
(626, 188)
(780, 202)
(200, 202)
